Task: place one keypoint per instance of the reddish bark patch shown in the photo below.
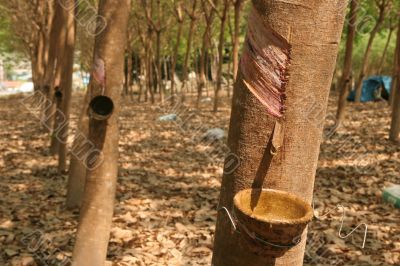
(264, 65)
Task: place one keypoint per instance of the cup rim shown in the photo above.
(306, 218)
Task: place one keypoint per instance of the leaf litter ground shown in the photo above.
(168, 189)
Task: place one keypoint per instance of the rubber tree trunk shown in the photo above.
(394, 74)
(285, 74)
(179, 16)
(191, 31)
(56, 27)
(59, 117)
(395, 125)
(368, 51)
(66, 83)
(209, 18)
(221, 46)
(128, 73)
(238, 4)
(81, 148)
(346, 79)
(158, 67)
(107, 80)
(384, 53)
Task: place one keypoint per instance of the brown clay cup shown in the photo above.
(276, 217)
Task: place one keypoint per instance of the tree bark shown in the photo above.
(193, 18)
(179, 16)
(306, 63)
(346, 79)
(79, 152)
(364, 65)
(56, 78)
(56, 28)
(394, 74)
(209, 18)
(238, 4)
(395, 125)
(66, 83)
(128, 76)
(383, 57)
(221, 44)
(98, 202)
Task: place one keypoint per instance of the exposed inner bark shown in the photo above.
(264, 65)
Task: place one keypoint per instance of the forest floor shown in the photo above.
(168, 189)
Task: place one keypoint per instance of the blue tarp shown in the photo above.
(371, 88)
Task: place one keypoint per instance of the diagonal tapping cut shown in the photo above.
(264, 65)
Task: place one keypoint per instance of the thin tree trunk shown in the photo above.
(150, 80)
(283, 91)
(395, 125)
(367, 54)
(56, 80)
(394, 74)
(193, 19)
(56, 28)
(382, 62)
(158, 65)
(128, 77)
(228, 85)
(209, 18)
(220, 55)
(98, 201)
(142, 76)
(236, 39)
(179, 16)
(79, 152)
(346, 79)
(66, 83)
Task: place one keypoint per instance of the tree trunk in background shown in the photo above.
(368, 50)
(56, 27)
(79, 152)
(158, 52)
(220, 55)
(128, 76)
(150, 80)
(394, 74)
(382, 62)
(209, 18)
(301, 66)
(66, 83)
(179, 17)
(158, 65)
(98, 201)
(347, 77)
(395, 125)
(238, 4)
(185, 71)
(60, 46)
(40, 50)
(142, 73)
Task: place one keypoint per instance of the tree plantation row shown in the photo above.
(275, 61)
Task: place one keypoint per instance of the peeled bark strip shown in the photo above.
(264, 64)
(313, 29)
(98, 202)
